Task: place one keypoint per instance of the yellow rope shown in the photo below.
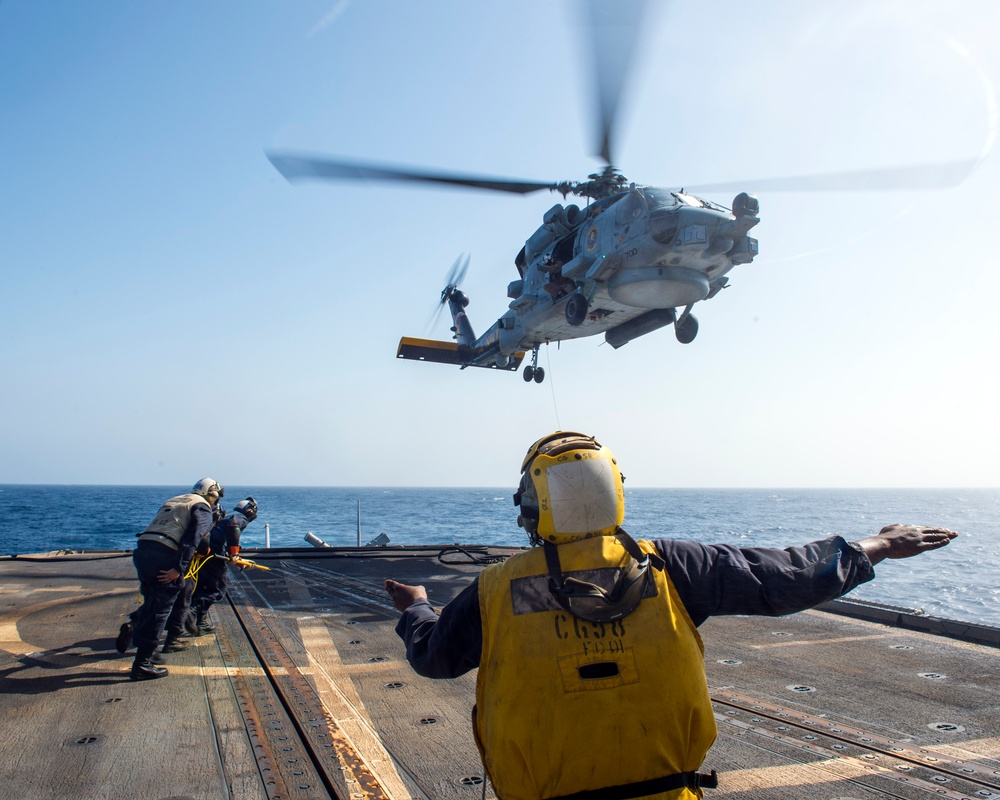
(196, 564)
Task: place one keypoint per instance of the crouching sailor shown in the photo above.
(161, 559)
(591, 670)
(224, 541)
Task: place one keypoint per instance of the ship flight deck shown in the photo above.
(303, 692)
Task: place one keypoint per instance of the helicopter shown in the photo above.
(634, 259)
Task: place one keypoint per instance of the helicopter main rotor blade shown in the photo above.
(614, 29)
(922, 176)
(295, 167)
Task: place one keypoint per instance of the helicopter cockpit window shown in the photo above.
(691, 200)
(629, 208)
(698, 202)
(660, 198)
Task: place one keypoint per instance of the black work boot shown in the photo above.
(124, 639)
(173, 644)
(145, 670)
(204, 625)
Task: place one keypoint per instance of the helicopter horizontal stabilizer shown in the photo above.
(450, 353)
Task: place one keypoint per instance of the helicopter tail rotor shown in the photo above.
(457, 273)
(452, 281)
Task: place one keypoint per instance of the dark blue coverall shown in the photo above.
(213, 576)
(150, 559)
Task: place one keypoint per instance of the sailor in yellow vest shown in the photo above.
(591, 680)
(161, 559)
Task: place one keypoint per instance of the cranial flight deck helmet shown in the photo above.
(571, 488)
(207, 487)
(248, 508)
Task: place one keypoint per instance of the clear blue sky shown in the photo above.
(172, 308)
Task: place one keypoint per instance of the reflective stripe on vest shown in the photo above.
(565, 705)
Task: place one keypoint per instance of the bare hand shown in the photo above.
(168, 576)
(903, 541)
(404, 596)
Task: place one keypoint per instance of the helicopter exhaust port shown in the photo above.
(640, 326)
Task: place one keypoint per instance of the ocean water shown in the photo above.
(961, 581)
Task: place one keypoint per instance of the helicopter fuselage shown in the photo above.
(622, 267)
(642, 250)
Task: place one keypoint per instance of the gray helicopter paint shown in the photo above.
(620, 269)
(608, 253)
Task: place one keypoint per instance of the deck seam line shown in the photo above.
(367, 783)
(817, 728)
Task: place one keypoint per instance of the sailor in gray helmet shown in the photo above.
(161, 559)
(224, 543)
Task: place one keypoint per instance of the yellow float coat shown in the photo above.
(566, 705)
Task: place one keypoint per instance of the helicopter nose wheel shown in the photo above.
(686, 328)
(533, 372)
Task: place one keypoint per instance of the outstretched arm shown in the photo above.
(724, 579)
(402, 595)
(903, 541)
(444, 646)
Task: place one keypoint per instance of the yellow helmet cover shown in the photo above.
(578, 487)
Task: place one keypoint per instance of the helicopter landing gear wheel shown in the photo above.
(533, 372)
(576, 309)
(686, 328)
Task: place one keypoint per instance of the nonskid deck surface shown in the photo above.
(304, 692)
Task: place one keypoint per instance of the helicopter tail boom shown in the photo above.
(451, 353)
